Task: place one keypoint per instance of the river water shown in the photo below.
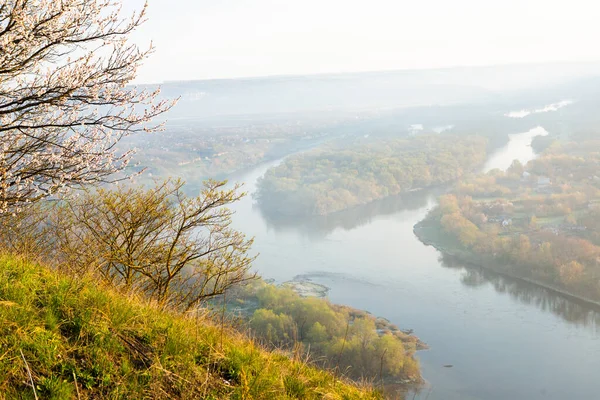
(518, 148)
(505, 339)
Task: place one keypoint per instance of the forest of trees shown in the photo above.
(540, 221)
(350, 341)
(334, 178)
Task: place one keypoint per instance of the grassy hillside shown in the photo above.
(76, 340)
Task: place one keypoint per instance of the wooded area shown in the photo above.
(541, 221)
(352, 342)
(337, 177)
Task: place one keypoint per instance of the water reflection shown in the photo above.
(321, 226)
(569, 309)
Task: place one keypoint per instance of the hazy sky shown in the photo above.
(198, 39)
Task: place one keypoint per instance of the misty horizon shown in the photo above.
(557, 63)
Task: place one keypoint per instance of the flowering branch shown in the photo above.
(65, 103)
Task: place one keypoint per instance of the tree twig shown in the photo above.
(29, 373)
(76, 386)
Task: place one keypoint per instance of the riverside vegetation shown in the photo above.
(333, 336)
(337, 177)
(540, 222)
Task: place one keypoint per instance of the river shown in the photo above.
(518, 148)
(505, 339)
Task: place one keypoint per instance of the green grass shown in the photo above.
(82, 341)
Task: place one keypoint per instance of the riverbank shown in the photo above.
(430, 232)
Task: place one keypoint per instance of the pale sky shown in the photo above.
(201, 39)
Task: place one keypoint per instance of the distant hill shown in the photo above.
(366, 90)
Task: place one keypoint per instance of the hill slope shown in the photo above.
(76, 340)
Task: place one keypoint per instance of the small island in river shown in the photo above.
(340, 176)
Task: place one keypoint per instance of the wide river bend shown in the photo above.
(505, 339)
